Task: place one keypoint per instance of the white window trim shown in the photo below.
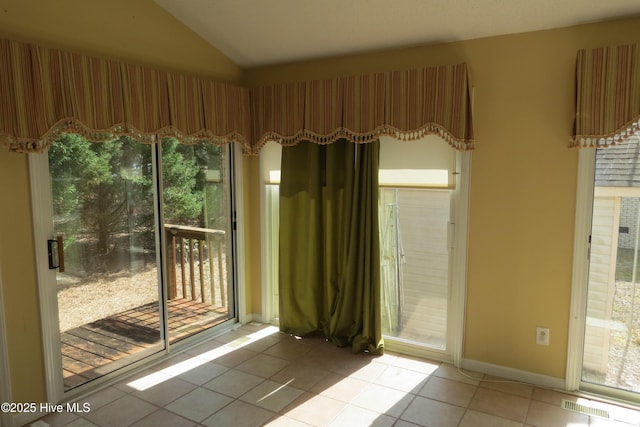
(269, 270)
(578, 309)
(5, 384)
(459, 262)
(42, 226)
(240, 247)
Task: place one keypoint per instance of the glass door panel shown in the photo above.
(612, 332)
(415, 264)
(108, 287)
(197, 227)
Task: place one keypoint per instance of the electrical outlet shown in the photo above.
(542, 336)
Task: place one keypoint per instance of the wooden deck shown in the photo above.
(94, 349)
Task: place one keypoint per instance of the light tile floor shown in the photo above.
(257, 376)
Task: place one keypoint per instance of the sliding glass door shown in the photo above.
(108, 287)
(198, 236)
(612, 329)
(142, 248)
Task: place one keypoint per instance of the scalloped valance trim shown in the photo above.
(406, 105)
(364, 138)
(629, 131)
(69, 125)
(46, 92)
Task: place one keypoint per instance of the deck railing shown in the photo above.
(198, 256)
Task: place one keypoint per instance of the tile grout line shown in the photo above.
(466, 409)
(339, 370)
(526, 415)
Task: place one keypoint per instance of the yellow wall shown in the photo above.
(20, 291)
(252, 224)
(523, 180)
(135, 31)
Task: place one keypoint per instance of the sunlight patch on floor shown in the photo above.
(172, 371)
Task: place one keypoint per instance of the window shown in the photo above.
(270, 157)
(417, 182)
(414, 224)
(607, 274)
(421, 256)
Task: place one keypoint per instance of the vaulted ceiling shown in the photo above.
(264, 32)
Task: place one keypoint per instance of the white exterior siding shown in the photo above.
(423, 216)
(602, 271)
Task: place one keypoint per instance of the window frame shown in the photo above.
(41, 203)
(585, 193)
(458, 238)
(458, 243)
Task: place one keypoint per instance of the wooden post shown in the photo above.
(212, 275)
(201, 267)
(179, 237)
(170, 242)
(184, 281)
(192, 274)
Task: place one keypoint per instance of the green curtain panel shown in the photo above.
(329, 243)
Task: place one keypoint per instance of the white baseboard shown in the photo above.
(412, 349)
(514, 374)
(251, 317)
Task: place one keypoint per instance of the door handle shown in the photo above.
(55, 251)
(60, 253)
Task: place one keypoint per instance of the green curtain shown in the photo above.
(329, 243)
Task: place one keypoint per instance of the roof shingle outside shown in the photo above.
(618, 165)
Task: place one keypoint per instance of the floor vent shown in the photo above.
(583, 409)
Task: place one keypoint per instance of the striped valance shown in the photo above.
(44, 92)
(607, 96)
(404, 104)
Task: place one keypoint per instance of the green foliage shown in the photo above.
(188, 197)
(182, 201)
(65, 160)
(105, 190)
(94, 185)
